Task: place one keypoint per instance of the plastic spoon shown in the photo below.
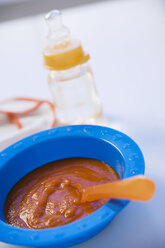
(138, 188)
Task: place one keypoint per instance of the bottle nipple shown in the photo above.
(57, 32)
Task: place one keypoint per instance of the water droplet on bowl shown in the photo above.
(34, 138)
(69, 129)
(3, 155)
(126, 146)
(17, 145)
(51, 131)
(134, 157)
(13, 235)
(117, 137)
(34, 236)
(82, 226)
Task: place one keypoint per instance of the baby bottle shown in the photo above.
(69, 77)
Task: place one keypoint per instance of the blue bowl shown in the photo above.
(102, 143)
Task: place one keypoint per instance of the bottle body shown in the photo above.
(74, 95)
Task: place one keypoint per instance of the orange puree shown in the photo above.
(50, 195)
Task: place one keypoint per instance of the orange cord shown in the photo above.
(15, 120)
(14, 116)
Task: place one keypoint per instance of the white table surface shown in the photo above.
(126, 40)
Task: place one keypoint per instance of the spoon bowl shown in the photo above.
(138, 188)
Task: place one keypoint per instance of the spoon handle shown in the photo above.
(138, 188)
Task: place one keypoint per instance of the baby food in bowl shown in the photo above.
(102, 147)
(50, 196)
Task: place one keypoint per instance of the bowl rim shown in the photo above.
(134, 165)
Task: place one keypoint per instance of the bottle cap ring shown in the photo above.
(65, 60)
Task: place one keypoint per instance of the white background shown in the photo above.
(126, 40)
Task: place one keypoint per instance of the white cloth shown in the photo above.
(35, 122)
